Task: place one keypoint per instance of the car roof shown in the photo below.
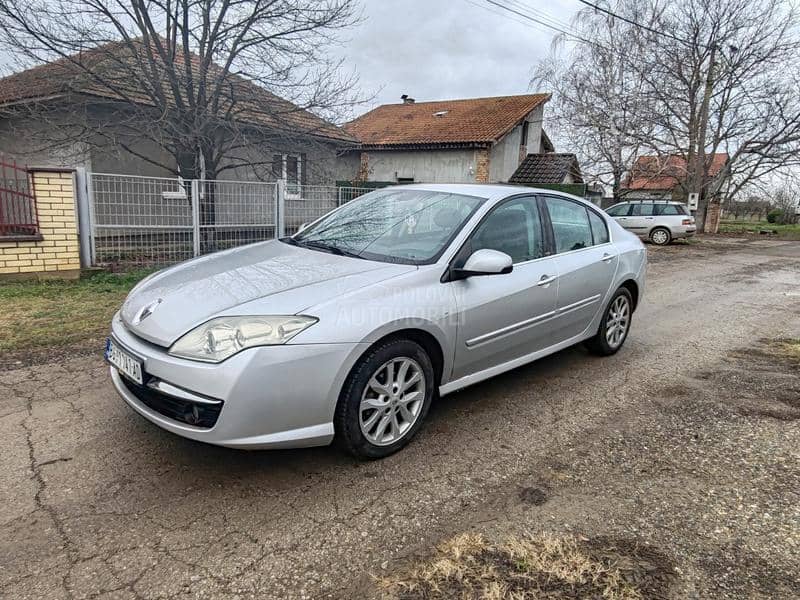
(481, 190)
(648, 201)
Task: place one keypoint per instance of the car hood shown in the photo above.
(268, 278)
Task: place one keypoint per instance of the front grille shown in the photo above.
(185, 411)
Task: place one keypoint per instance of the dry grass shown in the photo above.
(790, 348)
(36, 315)
(540, 566)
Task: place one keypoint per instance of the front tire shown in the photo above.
(660, 236)
(614, 326)
(385, 399)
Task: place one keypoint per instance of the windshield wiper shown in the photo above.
(326, 248)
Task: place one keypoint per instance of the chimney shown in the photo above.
(407, 99)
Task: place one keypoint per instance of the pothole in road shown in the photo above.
(533, 495)
(759, 381)
(536, 566)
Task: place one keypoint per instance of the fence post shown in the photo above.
(92, 219)
(195, 191)
(280, 207)
(85, 233)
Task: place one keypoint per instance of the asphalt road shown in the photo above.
(653, 444)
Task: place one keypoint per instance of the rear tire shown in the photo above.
(385, 399)
(660, 236)
(614, 326)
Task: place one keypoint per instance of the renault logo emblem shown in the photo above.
(146, 311)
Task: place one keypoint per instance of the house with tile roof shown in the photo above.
(447, 141)
(664, 176)
(78, 112)
(550, 168)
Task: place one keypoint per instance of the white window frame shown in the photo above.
(292, 190)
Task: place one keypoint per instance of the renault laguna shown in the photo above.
(351, 328)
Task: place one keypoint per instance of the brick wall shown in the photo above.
(57, 253)
(482, 166)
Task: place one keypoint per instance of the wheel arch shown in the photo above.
(633, 289)
(424, 338)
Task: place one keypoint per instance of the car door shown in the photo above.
(620, 213)
(641, 219)
(586, 262)
(503, 317)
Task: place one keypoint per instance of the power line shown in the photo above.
(635, 23)
(567, 31)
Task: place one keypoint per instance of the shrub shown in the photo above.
(774, 215)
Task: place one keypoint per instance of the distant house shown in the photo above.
(550, 169)
(53, 114)
(664, 177)
(447, 141)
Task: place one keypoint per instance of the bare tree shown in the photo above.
(183, 84)
(724, 81)
(598, 108)
(702, 77)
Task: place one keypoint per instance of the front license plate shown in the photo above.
(128, 365)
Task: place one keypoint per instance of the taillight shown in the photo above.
(687, 222)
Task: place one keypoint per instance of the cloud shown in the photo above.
(436, 49)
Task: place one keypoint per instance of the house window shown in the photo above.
(405, 180)
(18, 216)
(524, 141)
(289, 167)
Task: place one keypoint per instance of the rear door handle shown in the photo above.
(547, 279)
(607, 257)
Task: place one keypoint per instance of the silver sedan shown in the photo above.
(349, 329)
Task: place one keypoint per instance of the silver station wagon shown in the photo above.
(351, 328)
(660, 221)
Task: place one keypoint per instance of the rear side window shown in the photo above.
(620, 210)
(571, 226)
(670, 209)
(643, 210)
(599, 229)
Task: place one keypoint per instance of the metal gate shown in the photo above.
(154, 221)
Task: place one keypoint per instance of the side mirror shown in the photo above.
(485, 262)
(302, 226)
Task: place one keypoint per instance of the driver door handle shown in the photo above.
(546, 279)
(607, 257)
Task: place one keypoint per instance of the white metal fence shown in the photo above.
(152, 221)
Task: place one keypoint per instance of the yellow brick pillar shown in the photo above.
(482, 166)
(55, 251)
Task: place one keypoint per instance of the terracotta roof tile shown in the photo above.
(666, 172)
(443, 122)
(547, 168)
(253, 105)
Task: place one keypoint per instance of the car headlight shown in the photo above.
(221, 338)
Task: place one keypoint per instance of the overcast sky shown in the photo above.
(437, 49)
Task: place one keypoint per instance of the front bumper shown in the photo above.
(272, 396)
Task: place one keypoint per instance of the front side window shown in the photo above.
(514, 228)
(620, 210)
(570, 221)
(392, 225)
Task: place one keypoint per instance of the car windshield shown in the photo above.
(392, 225)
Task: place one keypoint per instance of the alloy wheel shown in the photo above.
(618, 321)
(392, 401)
(660, 237)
